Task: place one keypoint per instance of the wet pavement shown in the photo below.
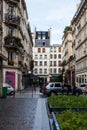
(19, 112)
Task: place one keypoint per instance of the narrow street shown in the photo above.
(20, 112)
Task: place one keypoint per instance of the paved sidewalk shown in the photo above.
(41, 121)
(41, 117)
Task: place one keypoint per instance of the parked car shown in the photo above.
(10, 89)
(67, 88)
(80, 89)
(52, 88)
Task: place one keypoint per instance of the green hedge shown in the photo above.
(68, 101)
(69, 120)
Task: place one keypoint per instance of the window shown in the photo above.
(43, 50)
(51, 56)
(45, 63)
(39, 37)
(59, 56)
(40, 71)
(54, 49)
(54, 63)
(36, 56)
(59, 49)
(51, 71)
(10, 56)
(10, 9)
(55, 70)
(39, 33)
(50, 63)
(36, 63)
(59, 70)
(51, 85)
(43, 43)
(59, 63)
(57, 85)
(39, 50)
(40, 56)
(55, 56)
(40, 63)
(10, 31)
(45, 71)
(35, 71)
(45, 56)
(51, 49)
(85, 78)
(79, 26)
(43, 37)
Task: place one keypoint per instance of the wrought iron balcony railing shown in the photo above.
(13, 1)
(12, 42)
(12, 19)
(16, 0)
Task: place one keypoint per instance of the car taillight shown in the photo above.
(85, 87)
(45, 89)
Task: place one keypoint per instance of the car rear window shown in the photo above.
(57, 85)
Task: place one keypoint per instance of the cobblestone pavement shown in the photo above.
(18, 113)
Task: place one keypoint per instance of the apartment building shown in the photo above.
(46, 57)
(73, 58)
(2, 56)
(16, 42)
(79, 26)
(67, 54)
(41, 54)
(55, 61)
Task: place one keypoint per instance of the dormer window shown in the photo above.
(39, 37)
(43, 37)
(43, 43)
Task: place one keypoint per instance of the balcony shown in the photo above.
(14, 1)
(12, 42)
(11, 63)
(12, 19)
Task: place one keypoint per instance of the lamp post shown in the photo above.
(31, 83)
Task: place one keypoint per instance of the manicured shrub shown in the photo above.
(69, 120)
(68, 101)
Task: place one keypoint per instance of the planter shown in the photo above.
(63, 105)
(55, 125)
(62, 101)
(10, 62)
(69, 120)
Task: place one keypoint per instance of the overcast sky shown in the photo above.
(54, 14)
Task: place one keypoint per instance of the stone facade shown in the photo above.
(79, 24)
(66, 55)
(17, 42)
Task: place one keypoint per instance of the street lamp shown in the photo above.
(29, 72)
(31, 82)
